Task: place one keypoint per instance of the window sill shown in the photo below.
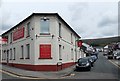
(28, 36)
(60, 59)
(21, 58)
(60, 37)
(10, 42)
(45, 58)
(27, 58)
(44, 33)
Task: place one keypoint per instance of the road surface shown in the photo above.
(103, 69)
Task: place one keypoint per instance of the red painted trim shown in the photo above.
(41, 67)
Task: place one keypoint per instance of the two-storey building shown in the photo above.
(41, 42)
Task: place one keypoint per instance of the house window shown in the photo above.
(22, 52)
(28, 30)
(10, 37)
(44, 26)
(14, 53)
(59, 29)
(8, 56)
(71, 38)
(71, 54)
(60, 54)
(45, 51)
(28, 51)
(11, 54)
(4, 55)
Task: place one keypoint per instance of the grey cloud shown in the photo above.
(0, 3)
(77, 10)
(6, 21)
(6, 26)
(107, 21)
(109, 30)
(108, 33)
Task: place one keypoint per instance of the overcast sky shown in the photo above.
(90, 19)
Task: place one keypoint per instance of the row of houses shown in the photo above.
(41, 42)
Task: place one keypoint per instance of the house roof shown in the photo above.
(45, 14)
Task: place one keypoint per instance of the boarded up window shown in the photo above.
(45, 51)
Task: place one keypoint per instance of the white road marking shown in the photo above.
(114, 64)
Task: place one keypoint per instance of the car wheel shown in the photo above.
(89, 69)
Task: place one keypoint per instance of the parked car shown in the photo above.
(105, 52)
(115, 53)
(94, 57)
(95, 54)
(91, 59)
(118, 55)
(110, 54)
(83, 64)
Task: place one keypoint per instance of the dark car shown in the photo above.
(91, 59)
(95, 54)
(110, 54)
(94, 57)
(105, 52)
(83, 64)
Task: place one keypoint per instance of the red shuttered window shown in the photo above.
(45, 51)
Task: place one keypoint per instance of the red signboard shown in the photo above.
(79, 43)
(19, 33)
(3, 39)
(45, 51)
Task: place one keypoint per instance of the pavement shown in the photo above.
(38, 74)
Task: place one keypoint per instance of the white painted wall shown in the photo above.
(46, 39)
(23, 41)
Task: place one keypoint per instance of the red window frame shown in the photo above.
(45, 51)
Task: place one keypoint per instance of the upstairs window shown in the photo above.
(71, 38)
(59, 29)
(28, 29)
(44, 26)
(11, 38)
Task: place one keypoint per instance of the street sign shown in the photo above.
(79, 43)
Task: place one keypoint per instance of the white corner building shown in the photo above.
(41, 42)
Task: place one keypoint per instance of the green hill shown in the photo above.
(101, 41)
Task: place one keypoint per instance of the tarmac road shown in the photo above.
(103, 69)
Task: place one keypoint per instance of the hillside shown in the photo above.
(101, 41)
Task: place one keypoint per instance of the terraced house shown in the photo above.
(41, 42)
